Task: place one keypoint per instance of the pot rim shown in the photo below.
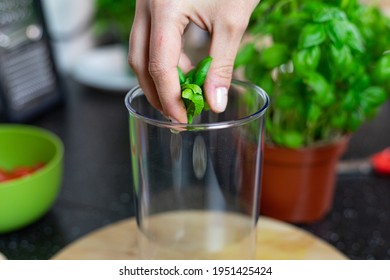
(316, 154)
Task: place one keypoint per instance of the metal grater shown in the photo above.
(28, 78)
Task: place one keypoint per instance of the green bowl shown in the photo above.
(24, 200)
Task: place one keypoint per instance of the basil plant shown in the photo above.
(114, 17)
(325, 65)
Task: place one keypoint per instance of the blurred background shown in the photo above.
(43, 41)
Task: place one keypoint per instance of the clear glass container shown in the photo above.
(197, 185)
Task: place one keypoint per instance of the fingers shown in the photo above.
(138, 56)
(185, 63)
(156, 48)
(228, 25)
(155, 52)
(220, 74)
(167, 29)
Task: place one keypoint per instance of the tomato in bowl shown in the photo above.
(31, 160)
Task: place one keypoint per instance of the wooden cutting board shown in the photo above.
(275, 240)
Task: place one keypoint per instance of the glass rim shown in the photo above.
(136, 91)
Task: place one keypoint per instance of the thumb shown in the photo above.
(223, 49)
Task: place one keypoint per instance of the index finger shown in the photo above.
(167, 30)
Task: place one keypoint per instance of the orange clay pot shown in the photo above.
(298, 184)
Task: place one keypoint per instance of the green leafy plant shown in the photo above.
(114, 17)
(192, 88)
(325, 65)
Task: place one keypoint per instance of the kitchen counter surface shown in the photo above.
(96, 188)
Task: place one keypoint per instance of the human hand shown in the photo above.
(156, 48)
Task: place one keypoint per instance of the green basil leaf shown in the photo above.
(382, 69)
(189, 79)
(323, 95)
(344, 32)
(182, 78)
(374, 96)
(317, 83)
(254, 71)
(190, 113)
(195, 89)
(284, 101)
(274, 56)
(312, 35)
(360, 80)
(292, 138)
(266, 82)
(338, 120)
(355, 119)
(306, 59)
(336, 31)
(354, 38)
(201, 70)
(349, 102)
(198, 103)
(313, 115)
(193, 100)
(341, 60)
(329, 13)
(187, 94)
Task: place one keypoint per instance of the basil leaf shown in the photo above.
(344, 32)
(254, 71)
(336, 31)
(316, 82)
(341, 60)
(307, 59)
(191, 88)
(189, 79)
(285, 101)
(354, 38)
(292, 138)
(323, 95)
(355, 119)
(201, 71)
(313, 115)
(182, 78)
(274, 56)
(360, 80)
(193, 100)
(338, 120)
(312, 35)
(382, 69)
(349, 102)
(374, 96)
(329, 13)
(265, 81)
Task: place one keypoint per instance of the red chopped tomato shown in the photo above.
(19, 171)
(381, 161)
(22, 171)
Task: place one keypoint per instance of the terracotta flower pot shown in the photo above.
(298, 184)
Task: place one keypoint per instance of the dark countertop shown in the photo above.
(96, 188)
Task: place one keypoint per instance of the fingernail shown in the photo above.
(220, 98)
